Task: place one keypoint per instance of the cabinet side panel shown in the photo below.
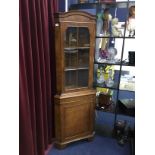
(58, 57)
(91, 57)
(57, 120)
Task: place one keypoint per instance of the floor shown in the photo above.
(99, 146)
(103, 143)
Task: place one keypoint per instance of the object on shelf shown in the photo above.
(106, 20)
(108, 75)
(116, 32)
(110, 81)
(99, 23)
(97, 49)
(104, 100)
(104, 43)
(131, 58)
(112, 52)
(108, 56)
(104, 72)
(101, 49)
(104, 54)
(101, 79)
(131, 21)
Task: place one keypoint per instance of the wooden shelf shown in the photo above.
(75, 48)
(79, 68)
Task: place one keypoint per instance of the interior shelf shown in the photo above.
(72, 69)
(75, 48)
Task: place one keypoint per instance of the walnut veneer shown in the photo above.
(75, 97)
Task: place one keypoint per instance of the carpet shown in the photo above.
(103, 143)
(99, 146)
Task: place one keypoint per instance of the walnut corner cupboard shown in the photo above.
(74, 100)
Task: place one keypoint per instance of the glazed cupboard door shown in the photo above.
(74, 35)
(77, 58)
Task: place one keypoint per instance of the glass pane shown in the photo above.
(70, 58)
(83, 37)
(83, 78)
(76, 57)
(83, 58)
(70, 37)
(70, 79)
